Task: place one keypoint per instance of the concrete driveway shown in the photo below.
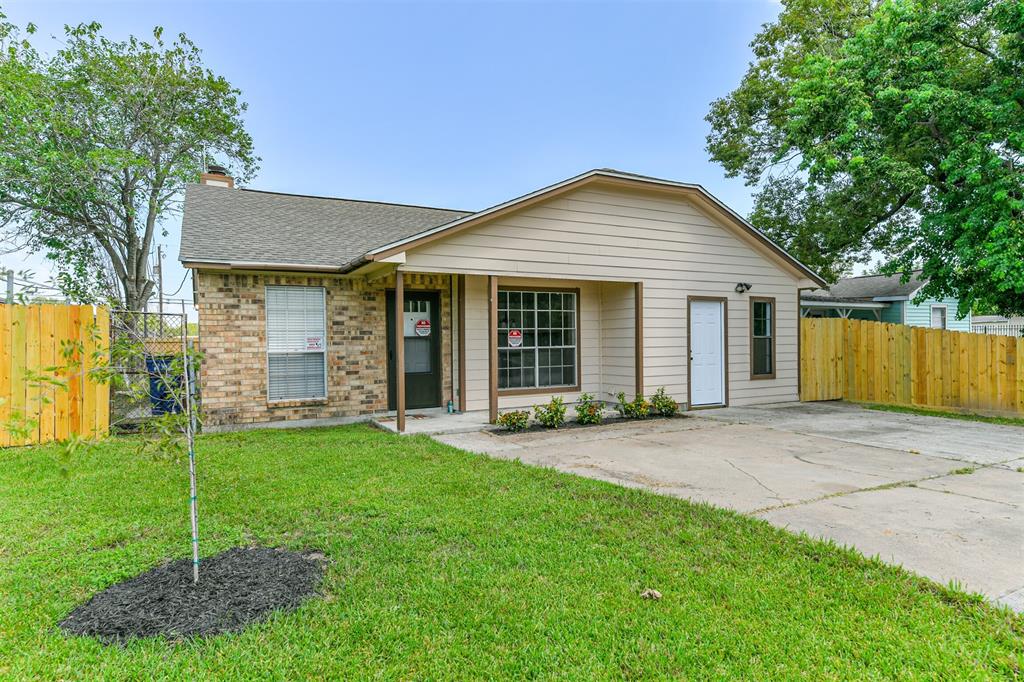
(942, 497)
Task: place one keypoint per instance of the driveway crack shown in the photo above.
(971, 497)
(756, 480)
(804, 459)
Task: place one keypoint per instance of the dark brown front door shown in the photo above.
(421, 326)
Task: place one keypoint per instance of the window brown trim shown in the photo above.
(579, 343)
(725, 351)
(774, 336)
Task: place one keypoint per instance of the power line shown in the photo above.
(36, 285)
(167, 298)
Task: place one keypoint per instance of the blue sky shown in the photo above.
(459, 105)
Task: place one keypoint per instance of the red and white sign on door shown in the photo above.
(422, 327)
(515, 338)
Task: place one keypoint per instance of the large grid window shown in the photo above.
(762, 338)
(296, 343)
(537, 339)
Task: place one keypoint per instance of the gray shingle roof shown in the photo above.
(248, 226)
(868, 287)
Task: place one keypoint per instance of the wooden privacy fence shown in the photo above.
(32, 339)
(899, 365)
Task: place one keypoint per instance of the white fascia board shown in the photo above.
(259, 265)
(839, 304)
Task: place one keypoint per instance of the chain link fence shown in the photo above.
(149, 351)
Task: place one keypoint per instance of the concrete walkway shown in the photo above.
(941, 497)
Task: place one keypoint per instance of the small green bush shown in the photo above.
(516, 420)
(551, 415)
(663, 403)
(638, 408)
(588, 410)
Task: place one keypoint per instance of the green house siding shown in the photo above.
(920, 315)
(863, 315)
(894, 313)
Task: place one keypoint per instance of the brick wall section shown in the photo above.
(232, 328)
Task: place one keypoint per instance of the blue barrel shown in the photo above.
(160, 385)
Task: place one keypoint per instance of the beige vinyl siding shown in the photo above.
(619, 235)
(618, 331)
(476, 343)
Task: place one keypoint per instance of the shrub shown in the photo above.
(588, 410)
(516, 420)
(551, 415)
(638, 408)
(663, 403)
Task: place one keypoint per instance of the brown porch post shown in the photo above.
(399, 351)
(462, 343)
(638, 336)
(492, 351)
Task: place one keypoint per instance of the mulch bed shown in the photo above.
(572, 424)
(236, 588)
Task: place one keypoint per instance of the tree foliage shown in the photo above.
(893, 127)
(97, 143)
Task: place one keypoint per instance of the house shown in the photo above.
(313, 308)
(885, 298)
(998, 324)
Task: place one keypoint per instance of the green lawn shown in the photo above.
(451, 565)
(965, 416)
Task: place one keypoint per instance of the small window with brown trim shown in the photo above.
(762, 338)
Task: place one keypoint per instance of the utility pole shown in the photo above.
(160, 285)
(10, 287)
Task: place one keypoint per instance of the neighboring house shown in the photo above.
(885, 298)
(602, 283)
(997, 324)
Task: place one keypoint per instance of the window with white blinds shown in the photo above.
(296, 343)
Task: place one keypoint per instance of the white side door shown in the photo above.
(707, 353)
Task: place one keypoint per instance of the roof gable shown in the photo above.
(607, 177)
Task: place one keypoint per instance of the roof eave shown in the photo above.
(200, 263)
(818, 303)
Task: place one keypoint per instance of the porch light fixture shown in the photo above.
(742, 287)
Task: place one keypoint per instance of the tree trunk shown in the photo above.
(136, 293)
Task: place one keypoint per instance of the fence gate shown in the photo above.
(146, 354)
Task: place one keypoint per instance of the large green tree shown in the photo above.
(894, 127)
(96, 144)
